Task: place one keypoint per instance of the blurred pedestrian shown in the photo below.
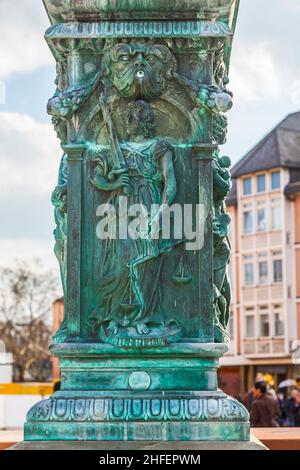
(264, 410)
(290, 408)
(249, 397)
(57, 385)
(282, 408)
(297, 410)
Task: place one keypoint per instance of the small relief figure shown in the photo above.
(220, 71)
(222, 293)
(59, 200)
(127, 308)
(222, 183)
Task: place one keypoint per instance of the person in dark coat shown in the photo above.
(290, 408)
(297, 410)
(264, 410)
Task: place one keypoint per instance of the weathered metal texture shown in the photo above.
(140, 110)
(89, 10)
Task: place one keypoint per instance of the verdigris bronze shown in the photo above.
(141, 225)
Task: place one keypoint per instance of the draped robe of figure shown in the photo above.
(129, 288)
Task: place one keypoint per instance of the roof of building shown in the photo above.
(294, 183)
(280, 148)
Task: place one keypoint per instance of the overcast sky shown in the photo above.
(265, 79)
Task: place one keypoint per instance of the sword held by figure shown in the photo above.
(119, 164)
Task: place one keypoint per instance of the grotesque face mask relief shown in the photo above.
(138, 71)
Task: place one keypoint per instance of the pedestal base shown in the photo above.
(253, 444)
(190, 416)
(156, 395)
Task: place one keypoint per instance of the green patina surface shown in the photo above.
(140, 111)
(67, 10)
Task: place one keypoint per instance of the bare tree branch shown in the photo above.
(26, 295)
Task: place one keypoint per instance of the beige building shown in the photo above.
(265, 269)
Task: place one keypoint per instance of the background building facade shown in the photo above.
(265, 269)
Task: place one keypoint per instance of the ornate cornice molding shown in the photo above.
(147, 29)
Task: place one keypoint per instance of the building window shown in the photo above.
(275, 180)
(249, 274)
(250, 326)
(277, 270)
(264, 325)
(263, 272)
(278, 320)
(276, 218)
(248, 222)
(261, 220)
(247, 186)
(261, 183)
(279, 325)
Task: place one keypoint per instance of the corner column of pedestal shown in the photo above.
(73, 303)
(203, 154)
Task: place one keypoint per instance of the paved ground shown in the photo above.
(279, 438)
(10, 437)
(254, 444)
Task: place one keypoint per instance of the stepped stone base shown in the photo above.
(253, 444)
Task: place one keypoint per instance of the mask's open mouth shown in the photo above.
(140, 74)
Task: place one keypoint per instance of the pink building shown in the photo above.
(58, 311)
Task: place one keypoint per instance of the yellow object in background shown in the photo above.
(43, 389)
(269, 379)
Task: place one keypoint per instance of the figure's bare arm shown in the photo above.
(169, 191)
(170, 184)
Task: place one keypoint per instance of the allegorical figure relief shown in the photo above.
(128, 298)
